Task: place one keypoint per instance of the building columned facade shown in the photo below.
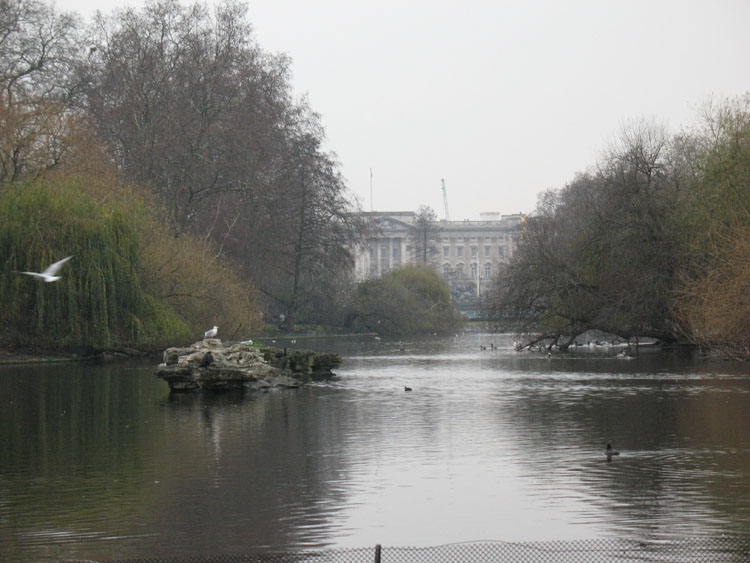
(467, 253)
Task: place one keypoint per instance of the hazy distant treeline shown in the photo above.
(654, 240)
(173, 132)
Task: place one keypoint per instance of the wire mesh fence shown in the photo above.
(708, 549)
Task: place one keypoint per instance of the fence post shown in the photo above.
(377, 553)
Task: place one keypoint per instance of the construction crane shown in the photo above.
(445, 201)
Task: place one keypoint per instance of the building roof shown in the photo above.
(405, 219)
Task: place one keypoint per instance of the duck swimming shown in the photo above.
(610, 452)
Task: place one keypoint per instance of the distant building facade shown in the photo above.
(466, 253)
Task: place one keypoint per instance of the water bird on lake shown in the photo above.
(610, 452)
(50, 274)
(407, 388)
(211, 333)
(246, 342)
(482, 347)
(207, 360)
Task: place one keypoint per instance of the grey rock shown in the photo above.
(209, 365)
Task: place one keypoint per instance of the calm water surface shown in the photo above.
(101, 461)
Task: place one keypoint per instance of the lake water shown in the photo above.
(101, 461)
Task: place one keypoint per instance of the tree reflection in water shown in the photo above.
(102, 461)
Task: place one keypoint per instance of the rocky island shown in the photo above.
(210, 365)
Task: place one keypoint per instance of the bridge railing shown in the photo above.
(707, 549)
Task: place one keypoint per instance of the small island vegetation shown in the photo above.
(412, 299)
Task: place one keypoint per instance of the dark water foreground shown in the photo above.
(101, 461)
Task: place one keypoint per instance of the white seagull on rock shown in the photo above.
(50, 274)
(211, 333)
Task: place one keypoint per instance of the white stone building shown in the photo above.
(466, 252)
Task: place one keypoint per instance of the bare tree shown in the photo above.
(423, 236)
(314, 227)
(603, 252)
(188, 103)
(38, 49)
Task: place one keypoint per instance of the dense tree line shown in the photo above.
(178, 108)
(652, 241)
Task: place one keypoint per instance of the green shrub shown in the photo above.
(409, 300)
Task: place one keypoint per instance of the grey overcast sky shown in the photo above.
(501, 99)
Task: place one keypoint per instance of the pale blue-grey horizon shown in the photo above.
(503, 100)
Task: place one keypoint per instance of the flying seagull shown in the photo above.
(50, 274)
(211, 333)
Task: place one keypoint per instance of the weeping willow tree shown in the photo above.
(99, 303)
